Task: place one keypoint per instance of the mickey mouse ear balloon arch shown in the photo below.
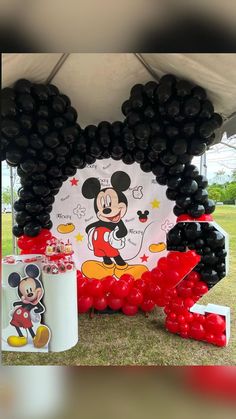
(166, 124)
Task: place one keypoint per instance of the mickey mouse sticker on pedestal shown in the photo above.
(26, 331)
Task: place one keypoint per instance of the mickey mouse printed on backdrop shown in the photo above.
(108, 235)
(118, 170)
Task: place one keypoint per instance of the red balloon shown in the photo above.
(172, 325)
(129, 279)
(220, 340)
(210, 337)
(183, 290)
(158, 276)
(161, 302)
(79, 274)
(177, 305)
(107, 283)
(129, 309)
(173, 259)
(200, 289)
(188, 302)
(172, 279)
(120, 289)
(100, 303)
(82, 287)
(24, 243)
(141, 285)
(181, 318)
(189, 317)
(167, 309)
(114, 302)
(194, 276)
(197, 330)
(184, 327)
(84, 303)
(215, 323)
(147, 276)
(162, 264)
(24, 252)
(41, 250)
(135, 297)
(172, 316)
(45, 234)
(95, 288)
(147, 305)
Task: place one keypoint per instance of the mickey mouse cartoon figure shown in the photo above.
(107, 235)
(28, 308)
(143, 217)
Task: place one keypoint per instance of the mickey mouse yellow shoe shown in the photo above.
(42, 337)
(97, 270)
(17, 341)
(135, 270)
(157, 247)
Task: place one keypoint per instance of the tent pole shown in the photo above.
(203, 165)
(12, 210)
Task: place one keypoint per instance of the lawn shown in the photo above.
(121, 340)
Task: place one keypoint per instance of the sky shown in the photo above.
(219, 157)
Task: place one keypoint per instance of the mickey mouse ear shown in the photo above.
(14, 279)
(32, 271)
(139, 213)
(146, 212)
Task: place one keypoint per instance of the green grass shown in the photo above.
(6, 234)
(119, 340)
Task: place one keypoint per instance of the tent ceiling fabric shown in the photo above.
(99, 83)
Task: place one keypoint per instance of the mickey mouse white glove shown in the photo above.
(35, 317)
(116, 242)
(90, 236)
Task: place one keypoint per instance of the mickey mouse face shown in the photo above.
(143, 216)
(109, 207)
(110, 204)
(29, 291)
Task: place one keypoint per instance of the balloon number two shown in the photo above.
(209, 323)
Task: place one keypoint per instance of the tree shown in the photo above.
(230, 191)
(216, 192)
(6, 196)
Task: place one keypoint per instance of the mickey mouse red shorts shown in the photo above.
(21, 318)
(101, 245)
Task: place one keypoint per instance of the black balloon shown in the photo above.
(196, 210)
(33, 207)
(193, 231)
(28, 166)
(22, 217)
(17, 230)
(209, 206)
(32, 229)
(189, 186)
(41, 190)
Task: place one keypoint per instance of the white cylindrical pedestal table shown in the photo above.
(61, 312)
(10, 295)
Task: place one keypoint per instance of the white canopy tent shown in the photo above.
(98, 83)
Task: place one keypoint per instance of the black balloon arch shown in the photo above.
(166, 124)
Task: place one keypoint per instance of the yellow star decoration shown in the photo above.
(79, 237)
(155, 204)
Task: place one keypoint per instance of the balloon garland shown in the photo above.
(166, 124)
